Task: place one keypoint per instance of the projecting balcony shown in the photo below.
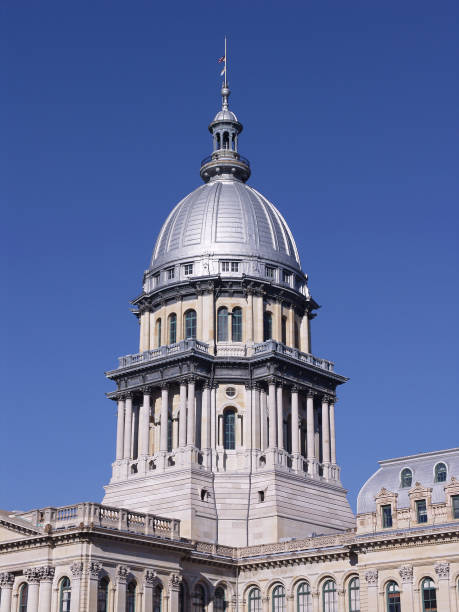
(224, 349)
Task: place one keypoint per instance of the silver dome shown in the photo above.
(225, 115)
(225, 218)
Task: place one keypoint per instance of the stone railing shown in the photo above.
(108, 517)
(231, 349)
(163, 351)
(278, 347)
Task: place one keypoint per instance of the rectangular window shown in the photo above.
(188, 269)
(386, 516)
(156, 280)
(421, 511)
(287, 277)
(269, 271)
(229, 266)
(170, 273)
(455, 504)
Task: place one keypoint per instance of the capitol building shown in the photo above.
(225, 490)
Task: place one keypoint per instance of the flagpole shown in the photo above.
(226, 59)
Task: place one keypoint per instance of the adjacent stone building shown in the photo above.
(225, 492)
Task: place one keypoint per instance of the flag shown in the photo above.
(222, 59)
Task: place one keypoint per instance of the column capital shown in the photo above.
(129, 395)
(192, 379)
(442, 569)
(175, 580)
(326, 399)
(164, 386)
(32, 575)
(295, 389)
(150, 578)
(146, 389)
(76, 569)
(271, 380)
(122, 572)
(371, 577)
(94, 568)
(46, 573)
(6, 580)
(207, 384)
(406, 573)
(311, 393)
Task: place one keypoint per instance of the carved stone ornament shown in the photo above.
(122, 572)
(32, 575)
(406, 573)
(46, 573)
(6, 580)
(175, 580)
(442, 569)
(77, 569)
(94, 569)
(150, 578)
(371, 576)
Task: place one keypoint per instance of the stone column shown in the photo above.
(6, 584)
(256, 418)
(371, 577)
(76, 569)
(32, 575)
(295, 427)
(128, 428)
(264, 420)
(258, 318)
(272, 414)
(213, 417)
(199, 317)
(277, 321)
(280, 417)
(325, 436)
(150, 580)
(182, 415)
(46, 588)
(247, 443)
(191, 424)
(249, 318)
(94, 569)
(144, 424)
(180, 332)
(311, 454)
(442, 571)
(206, 419)
(144, 331)
(175, 580)
(332, 431)
(406, 599)
(164, 417)
(120, 431)
(122, 572)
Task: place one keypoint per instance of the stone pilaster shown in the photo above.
(93, 571)
(46, 588)
(76, 569)
(122, 572)
(280, 417)
(442, 571)
(272, 414)
(191, 421)
(32, 575)
(120, 431)
(371, 578)
(182, 415)
(174, 584)
(128, 428)
(311, 454)
(406, 599)
(144, 423)
(325, 436)
(164, 418)
(6, 585)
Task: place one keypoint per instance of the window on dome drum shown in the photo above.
(198, 601)
(156, 280)
(455, 506)
(303, 598)
(24, 596)
(172, 328)
(421, 511)
(157, 598)
(269, 271)
(254, 600)
(386, 512)
(222, 324)
(236, 324)
(330, 597)
(170, 273)
(229, 429)
(190, 325)
(440, 472)
(65, 593)
(406, 478)
(220, 602)
(267, 326)
(102, 595)
(429, 596)
(354, 595)
(130, 597)
(287, 277)
(284, 330)
(188, 269)
(393, 597)
(229, 266)
(158, 333)
(278, 599)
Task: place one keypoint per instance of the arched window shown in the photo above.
(284, 330)
(225, 140)
(220, 602)
(157, 598)
(440, 472)
(218, 140)
(158, 333)
(406, 477)
(303, 598)
(190, 325)
(198, 600)
(393, 597)
(229, 429)
(330, 596)
(222, 324)
(236, 325)
(254, 600)
(354, 595)
(429, 596)
(130, 596)
(267, 326)
(65, 593)
(278, 599)
(102, 595)
(172, 328)
(23, 597)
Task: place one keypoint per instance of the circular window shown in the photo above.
(230, 392)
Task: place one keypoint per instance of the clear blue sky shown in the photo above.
(351, 124)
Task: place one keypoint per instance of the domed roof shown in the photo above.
(225, 115)
(225, 218)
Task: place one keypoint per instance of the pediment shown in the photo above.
(15, 528)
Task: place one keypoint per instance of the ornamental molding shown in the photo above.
(47, 573)
(384, 494)
(122, 572)
(371, 576)
(175, 580)
(406, 573)
(442, 570)
(452, 488)
(77, 569)
(6, 580)
(32, 575)
(94, 569)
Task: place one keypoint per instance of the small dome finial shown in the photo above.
(225, 95)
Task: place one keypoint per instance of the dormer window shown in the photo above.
(406, 478)
(170, 273)
(440, 472)
(421, 511)
(188, 269)
(386, 512)
(455, 506)
(270, 271)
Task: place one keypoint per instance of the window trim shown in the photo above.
(417, 505)
(236, 324)
(453, 498)
(188, 265)
(65, 583)
(436, 466)
(222, 324)
(383, 525)
(327, 582)
(389, 585)
(308, 593)
(423, 581)
(350, 589)
(406, 486)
